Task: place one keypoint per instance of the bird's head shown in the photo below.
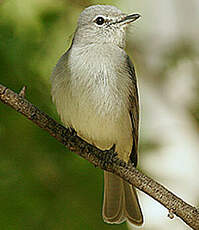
(103, 24)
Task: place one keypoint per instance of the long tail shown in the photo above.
(120, 201)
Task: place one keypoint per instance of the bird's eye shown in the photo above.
(99, 21)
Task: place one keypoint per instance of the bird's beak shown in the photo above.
(129, 18)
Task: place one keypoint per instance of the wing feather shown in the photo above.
(134, 112)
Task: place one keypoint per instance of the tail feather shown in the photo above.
(120, 201)
(132, 208)
(113, 199)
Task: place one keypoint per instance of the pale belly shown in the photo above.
(102, 122)
(94, 99)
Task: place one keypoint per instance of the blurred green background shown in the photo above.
(42, 185)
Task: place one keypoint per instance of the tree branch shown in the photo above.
(106, 160)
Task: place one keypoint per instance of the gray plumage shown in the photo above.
(95, 91)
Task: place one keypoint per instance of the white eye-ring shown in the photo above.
(99, 20)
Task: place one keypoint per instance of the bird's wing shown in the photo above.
(134, 111)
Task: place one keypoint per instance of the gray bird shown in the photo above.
(94, 88)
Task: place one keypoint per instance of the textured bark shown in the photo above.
(106, 160)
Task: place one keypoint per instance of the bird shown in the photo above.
(94, 88)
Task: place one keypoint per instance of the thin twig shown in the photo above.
(22, 93)
(106, 160)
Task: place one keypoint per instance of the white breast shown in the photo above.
(93, 98)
